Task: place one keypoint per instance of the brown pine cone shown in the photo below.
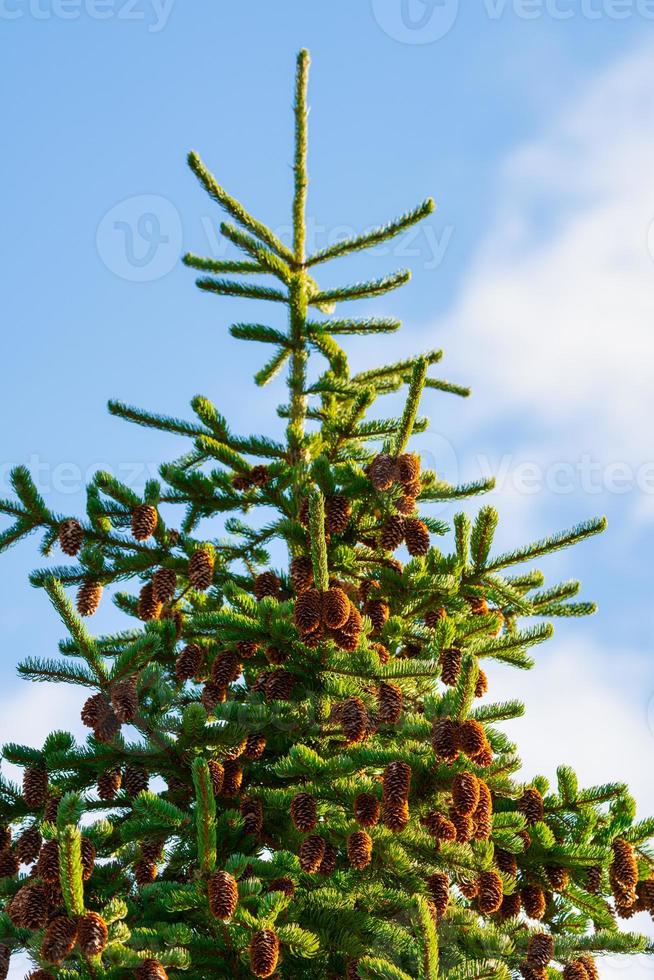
(464, 826)
(212, 694)
(164, 582)
(510, 907)
(530, 805)
(5, 838)
(381, 651)
(189, 662)
(108, 726)
(274, 655)
(59, 940)
(440, 828)
(359, 849)
(308, 610)
(329, 860)
(144, 521)
(367, 810)
(624, 867)
(352, 970)
(28, 845)
(347, 638)
(148, 606)
(200, 569)
(266, 585)
(525, 837)
(255, 746)
(541, 949)
(434, 616)
(47, 866)
(71, 536)
(378, 612)
(405, 505)
(393, 532)
(124, 700)
(481, 687)
(355, 720)
(530, 971)
(312, 851)
(450, 661)
(150, 970)
(35, 787)
(335, 608)
(94, 709)
(29, 908)
(217, 773)
(408, 468)
(390, 703)
(472, 737)
(382, 472)
(225, 669)
(395, 816)
(284, 885)
(557, 876)
(233, 778)
(482, 818)
(135, 780)
(259, 476)
(338, 511)
(506, 862)
(465, 793)
(89, 595)
(252, 813)
(279, 685)
(109, 783)
(304, 812)
(469, 887)
(533, 901)
(445, 739)
(88, 858)
(92, 934)
(264, 953)
(5, 959)
(152, 850)
(222, 891)
(645, 893)
(145, 872)
(301, 574)
(396, 782)
(490, 892)
(590, 967)
(175, 616)
(575, 971)
(484, 757)
(593, 879)
(438, 886)
(416, 535)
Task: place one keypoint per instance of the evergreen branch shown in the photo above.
(371, 325)
(83, 640)
(257, 331)
(237, 211)
(452, 389)
(153, 421)
(300, 163)
(548, 545)
(402, 368)
(218, 266)
(411, 408)
(375, 236)
(362, 290)
(482, 536)
(227, 287)
(269, 261)
(205, 816)
(443, 491)
(318, 545)
(53, 670)
(272, 367)
(70, 869)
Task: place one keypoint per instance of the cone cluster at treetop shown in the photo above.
(298, 771)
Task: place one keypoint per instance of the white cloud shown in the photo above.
(559, 304)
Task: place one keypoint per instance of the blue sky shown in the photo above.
(534, 131)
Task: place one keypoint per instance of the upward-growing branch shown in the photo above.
(299, 285)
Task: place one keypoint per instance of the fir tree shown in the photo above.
(298, 770)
